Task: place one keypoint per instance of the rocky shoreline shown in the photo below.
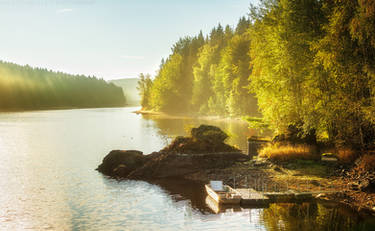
(204, 156)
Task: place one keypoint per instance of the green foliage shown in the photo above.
(27, 88)
(144, 89)
(313, 67)
(346, 53)
(207, 76)
(281, 60)
(256, 123)
(307, 65)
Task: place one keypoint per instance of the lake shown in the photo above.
(48, 178)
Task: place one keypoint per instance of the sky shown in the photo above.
(110, 39)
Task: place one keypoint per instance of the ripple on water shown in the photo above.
(49, 183)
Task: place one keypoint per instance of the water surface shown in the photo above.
(48, 180)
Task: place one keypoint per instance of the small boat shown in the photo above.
(221, 208)
(222, 194)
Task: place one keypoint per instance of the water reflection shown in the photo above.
(170, 127)
(48, 181)
(313, 216)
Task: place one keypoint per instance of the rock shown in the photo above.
(120, 163)
(121, 171)
(204, 139)
(186, 156)
(367, 185)
(209, 134)
(180, 165)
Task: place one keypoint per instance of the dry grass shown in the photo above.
(367, 162)
(277, 152)
(346, 155)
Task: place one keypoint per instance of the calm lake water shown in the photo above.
(48, 181)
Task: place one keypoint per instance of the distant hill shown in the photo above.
(129, 87)
(29, 88)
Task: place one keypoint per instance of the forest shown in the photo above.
(308, 64)
(28, 88)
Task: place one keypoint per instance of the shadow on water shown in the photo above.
(314, 216)
(281, 216)
(182, 189)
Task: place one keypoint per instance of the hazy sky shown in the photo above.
(106, 38)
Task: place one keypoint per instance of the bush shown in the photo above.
(346, 155)
(278, 152)
(367, 163)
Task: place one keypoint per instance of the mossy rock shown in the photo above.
(208, 133)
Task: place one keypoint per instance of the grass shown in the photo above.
(283, 153)
(346, 155)
(367, 162)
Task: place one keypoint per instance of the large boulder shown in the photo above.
(204, 139)
(208, 133)
(120, 163)
(204, 150)
(183, 165)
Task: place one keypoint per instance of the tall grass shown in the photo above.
(346, 155)
(367, 162)
(278, 152)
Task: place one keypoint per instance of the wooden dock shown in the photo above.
(250, 198)
(253, 198)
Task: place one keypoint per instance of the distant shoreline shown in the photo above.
(188, 116)
(58, 108)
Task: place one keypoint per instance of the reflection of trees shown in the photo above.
(182, 189)
(308, 216)
(172, 127)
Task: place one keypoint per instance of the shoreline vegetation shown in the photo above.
(284, 66)
(188, 116)
(57, 108)
(204, 156)
(302, 69)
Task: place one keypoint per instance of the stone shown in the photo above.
(177, 165)
(184, 157)
(367, 185)
(121, 171)
(124, 161)
(209, 134)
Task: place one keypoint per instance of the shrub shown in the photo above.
(278, 152)
(367, 163)
(346, 155)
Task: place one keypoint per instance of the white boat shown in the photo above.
(222, 194)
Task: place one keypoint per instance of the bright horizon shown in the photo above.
(109, 39)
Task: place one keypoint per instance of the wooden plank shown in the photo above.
(250, 197)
